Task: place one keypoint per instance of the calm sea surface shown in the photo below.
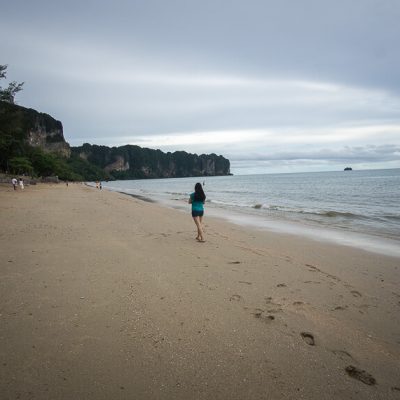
(359, 208)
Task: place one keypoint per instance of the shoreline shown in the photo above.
(108, 296)
(330, 235)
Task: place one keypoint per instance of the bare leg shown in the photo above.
(201, 224)
(199, 229)
(198, 233)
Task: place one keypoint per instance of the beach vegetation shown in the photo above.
(19, 156)
(33, 143)
(86, 170)
(20, 165)
(134, 162)
(8, 93)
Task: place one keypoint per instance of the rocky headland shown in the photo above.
(33, 143)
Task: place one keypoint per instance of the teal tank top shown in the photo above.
(196, 205)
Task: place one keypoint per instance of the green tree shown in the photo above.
(20, 165)
(8, 94)
(44, 164)
(12, 134)
(3, 69)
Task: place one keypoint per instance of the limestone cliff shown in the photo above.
(128, 162)
(36, 129)
(51, 140)
(22, 129)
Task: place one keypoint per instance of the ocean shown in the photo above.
(356, 208)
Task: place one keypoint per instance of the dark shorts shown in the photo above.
(197, 213)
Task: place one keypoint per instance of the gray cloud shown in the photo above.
(279, 77)
(369, 153)
(347, 41)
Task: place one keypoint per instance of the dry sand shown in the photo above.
(104, 296)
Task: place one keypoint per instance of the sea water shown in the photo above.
(358, 208)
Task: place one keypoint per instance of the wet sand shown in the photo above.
(105, 296)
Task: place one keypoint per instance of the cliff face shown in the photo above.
(23, 128)
(48, 138)
(127, 162)
(36, 129)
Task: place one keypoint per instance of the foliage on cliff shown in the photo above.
(32, 143)
(18, 156)
(18, 127)
(128, 162)
(8, 94)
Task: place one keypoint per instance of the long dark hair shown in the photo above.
(199, 193)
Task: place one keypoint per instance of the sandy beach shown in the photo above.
(104, 296)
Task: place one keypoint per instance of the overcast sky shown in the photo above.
(275, 86)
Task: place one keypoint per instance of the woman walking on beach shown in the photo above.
(197, 200)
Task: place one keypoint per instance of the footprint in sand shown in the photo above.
(281, 285)
(360, 375)
(341, 308)
(235, 297)
(269, 302)
(308, 338)
(258, 313)
(355, 293)
(312, 268)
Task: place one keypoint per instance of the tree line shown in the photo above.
(17, 156)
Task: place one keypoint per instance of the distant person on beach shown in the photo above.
(197, 200)
(14, 183)
(100, 186)
(21, 183)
